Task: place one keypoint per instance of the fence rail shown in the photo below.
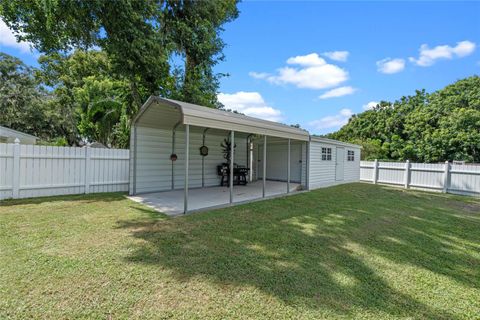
(444, 177)
(34, 171)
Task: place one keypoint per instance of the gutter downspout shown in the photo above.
(203, 158)
(249, 158)
(173, 151)
(135, 158)
(307, 158)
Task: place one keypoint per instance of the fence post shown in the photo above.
(375, 171)
(16, 169)
(446, 175)
(88, 169)
(407, 174)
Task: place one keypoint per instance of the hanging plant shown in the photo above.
(226, 145)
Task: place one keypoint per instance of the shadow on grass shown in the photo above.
(310, 249)
(86, 198)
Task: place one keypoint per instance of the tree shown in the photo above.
(24, 105)
(98, 105)
(194, 29)
(103, 113)
(128, 31)
(122, 47)
(138, 36)
(440, 126)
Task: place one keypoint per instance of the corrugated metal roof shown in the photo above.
(196, 115)
(14, 133)
(336, 142)
(214, 118)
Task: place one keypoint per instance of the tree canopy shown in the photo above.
(24, 104)
(139, 37)
(443, 125)
(102, 59)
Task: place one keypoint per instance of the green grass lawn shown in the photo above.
(351, 251)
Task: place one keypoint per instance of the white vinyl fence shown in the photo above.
(36, 171)
(444, 177)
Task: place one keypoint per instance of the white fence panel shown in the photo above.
(445, 177)
(6, 170)
(36, 171)
(366, 170)
(427, 175)
(465, 179)
(391, 172)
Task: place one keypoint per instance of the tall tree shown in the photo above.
(127, 30)
(443, 125)
(138, 36)
(24, 105)
(194, 29)
(97, 104)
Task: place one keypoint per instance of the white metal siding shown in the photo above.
(154, 167)
(322, 172)
(152, 159)
(277, 161)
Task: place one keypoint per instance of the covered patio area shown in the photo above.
(186, 157)
(171, 202)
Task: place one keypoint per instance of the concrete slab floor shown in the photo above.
(171, 202)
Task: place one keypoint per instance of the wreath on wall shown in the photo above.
(204, 151)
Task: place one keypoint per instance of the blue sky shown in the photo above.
(316, 63)
(267, 34)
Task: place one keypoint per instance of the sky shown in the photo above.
(317, 63)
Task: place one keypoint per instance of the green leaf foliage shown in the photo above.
(102, 59)
(24, 104)
(100, 105)
(138, 36)
(441, 126)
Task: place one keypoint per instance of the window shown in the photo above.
(327, 154)
(351, 155)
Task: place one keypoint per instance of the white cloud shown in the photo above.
(258, 75)
(338, 92)
(389, 65)
(312, 72)
(337, 55)
(370, 105)
(309, 60)
(334, 121)
(7, 39)
(428, 56)
(250, 104)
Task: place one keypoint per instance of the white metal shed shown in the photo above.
(167, 163)
(8, 135)
(332, 162)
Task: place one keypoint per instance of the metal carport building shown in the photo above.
(169, 173)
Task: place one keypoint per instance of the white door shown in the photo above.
(339, 163)
(277, 162)
(295, 163)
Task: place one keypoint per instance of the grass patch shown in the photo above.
(350, 251)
